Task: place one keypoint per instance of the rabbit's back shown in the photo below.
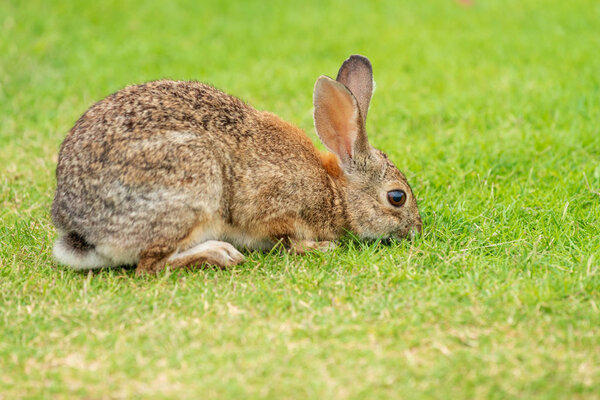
(138, 165)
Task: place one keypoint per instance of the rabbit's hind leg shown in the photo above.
(213, 252)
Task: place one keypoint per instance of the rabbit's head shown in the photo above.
(379, 202)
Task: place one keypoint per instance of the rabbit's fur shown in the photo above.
(178, 173)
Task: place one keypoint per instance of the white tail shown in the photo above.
(77, 259)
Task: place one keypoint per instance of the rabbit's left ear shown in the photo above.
(338, 121)
(356, 73)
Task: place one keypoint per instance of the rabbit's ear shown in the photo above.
(337, 119)
(356, 73)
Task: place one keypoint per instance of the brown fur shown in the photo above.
(330, 162)
(157, 168)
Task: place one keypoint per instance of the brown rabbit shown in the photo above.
(178, 173)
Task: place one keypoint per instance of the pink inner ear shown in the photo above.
(336, 117)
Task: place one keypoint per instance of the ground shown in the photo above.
(492, 110)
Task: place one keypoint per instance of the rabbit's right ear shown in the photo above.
(338, 120)
(356, 73)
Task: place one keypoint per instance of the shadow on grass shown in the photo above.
(348, 247)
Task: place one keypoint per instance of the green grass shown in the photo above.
(493, 113)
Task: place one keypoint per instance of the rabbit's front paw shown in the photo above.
(302, 246)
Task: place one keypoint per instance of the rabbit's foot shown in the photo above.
(212, 252)
(299, 246)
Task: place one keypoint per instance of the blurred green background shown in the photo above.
(492, 110)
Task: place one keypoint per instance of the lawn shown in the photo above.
(492, 110)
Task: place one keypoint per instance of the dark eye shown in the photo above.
(397, 198)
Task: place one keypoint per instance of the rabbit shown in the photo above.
(180, 174)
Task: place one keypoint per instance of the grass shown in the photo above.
(491, 110)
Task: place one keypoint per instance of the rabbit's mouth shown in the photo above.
(393, 240)
(414, 232)
(416, 229)
(411, 234)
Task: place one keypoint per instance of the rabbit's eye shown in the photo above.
(397, 198)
